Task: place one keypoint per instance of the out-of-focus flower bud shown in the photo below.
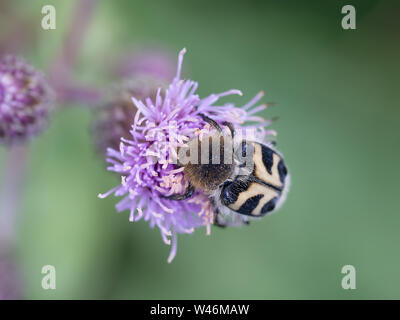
(114, 118)
(25, 100)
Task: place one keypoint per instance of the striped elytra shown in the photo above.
(260, 192)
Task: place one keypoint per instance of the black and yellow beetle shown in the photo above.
(236, 191)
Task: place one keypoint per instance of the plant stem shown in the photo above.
(10, 197)
(10, 201)
(64, 63)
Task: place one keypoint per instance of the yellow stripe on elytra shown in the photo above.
(253, 190)
(268, 196)
(261, 171)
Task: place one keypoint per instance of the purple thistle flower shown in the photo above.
(145, 160)
(25, 100)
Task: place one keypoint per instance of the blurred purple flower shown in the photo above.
(145, 159)
(25, 100)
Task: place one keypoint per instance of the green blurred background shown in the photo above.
(337, 95)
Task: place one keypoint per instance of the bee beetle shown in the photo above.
(244, 179)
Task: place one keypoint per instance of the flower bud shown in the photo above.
(114, 118)
(25, 100)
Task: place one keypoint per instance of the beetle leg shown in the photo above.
(211, 122)
(231, 128)
(188, 193)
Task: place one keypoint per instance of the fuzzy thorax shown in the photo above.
(208, 162)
